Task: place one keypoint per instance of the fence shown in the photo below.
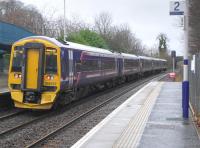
(194, 79)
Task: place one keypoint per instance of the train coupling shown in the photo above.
(32, 97)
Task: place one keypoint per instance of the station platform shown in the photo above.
(3, 82)
(4, 91)
(151, 118)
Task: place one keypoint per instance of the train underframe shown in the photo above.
(83, 91)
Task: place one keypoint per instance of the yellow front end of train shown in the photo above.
(34, 73)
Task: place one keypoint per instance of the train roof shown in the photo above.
(129, 55)
(71, 45)
(163, 60)
(146, 58)
(151, 58)
(158, 59)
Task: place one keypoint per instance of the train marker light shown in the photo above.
(16, 75)
(52, 77)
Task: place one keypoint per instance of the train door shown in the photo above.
(141, 65)
(120, 66)
(71, 70)
(32, 67)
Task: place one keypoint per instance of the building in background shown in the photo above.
(9, 33)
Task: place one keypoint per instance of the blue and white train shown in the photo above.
(44, 72)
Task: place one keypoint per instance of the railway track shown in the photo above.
(7, 116)
(15, 128)
(87, 113)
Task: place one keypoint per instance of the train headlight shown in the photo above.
(17, 76)
(50, 77)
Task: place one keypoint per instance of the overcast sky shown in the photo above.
(146, 18)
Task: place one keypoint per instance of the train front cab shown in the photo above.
(34, 74)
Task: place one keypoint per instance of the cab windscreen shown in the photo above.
(51, 62)
(17, 60)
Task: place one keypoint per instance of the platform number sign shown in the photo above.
(177, 7)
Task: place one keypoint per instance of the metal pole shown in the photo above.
(185, 84)
(64, 23)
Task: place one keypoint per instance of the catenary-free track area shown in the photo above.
(150, 118)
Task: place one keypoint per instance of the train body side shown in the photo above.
(83, 68)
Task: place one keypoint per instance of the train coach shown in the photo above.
(44, 72)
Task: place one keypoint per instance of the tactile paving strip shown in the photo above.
(132, 134)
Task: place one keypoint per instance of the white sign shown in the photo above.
(193, 62)
(177, 7)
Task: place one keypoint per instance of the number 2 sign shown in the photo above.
(177, 7)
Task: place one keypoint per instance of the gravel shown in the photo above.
(7, 111)
(17, 120)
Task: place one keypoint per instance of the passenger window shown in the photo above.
(65, 64)
(78, 66)
(87, 65)
(108, 64)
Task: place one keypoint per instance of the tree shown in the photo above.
(102, 34)
(118, 38)
(103, 24)
(87, 37)
(162, 45)
(121, 39)
(14, 12)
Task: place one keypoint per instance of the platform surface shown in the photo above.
(151, 118)
(165, 127)
(3, 83)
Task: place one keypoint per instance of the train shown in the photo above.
(44, 72)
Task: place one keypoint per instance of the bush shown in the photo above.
(87, 37)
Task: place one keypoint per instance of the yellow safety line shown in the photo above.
(132, 134)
